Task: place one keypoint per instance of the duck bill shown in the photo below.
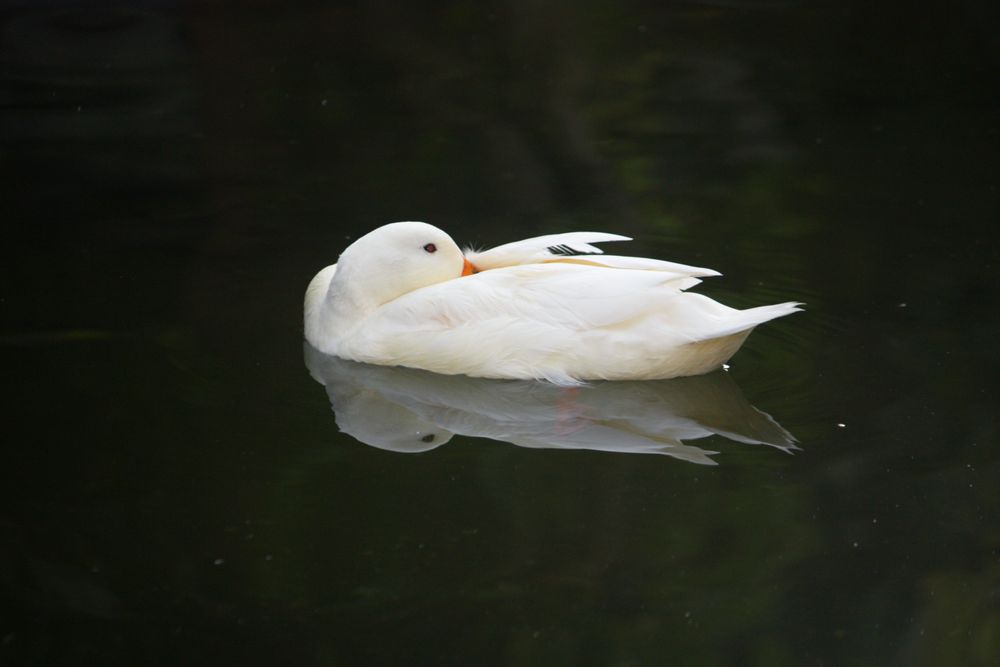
(467, 268)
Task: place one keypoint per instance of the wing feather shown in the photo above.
(540, 248)
(576, 248)
(636, 263)
(486, 321)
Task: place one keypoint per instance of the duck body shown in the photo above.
(552, 307)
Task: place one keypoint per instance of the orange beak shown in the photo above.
(467, 268)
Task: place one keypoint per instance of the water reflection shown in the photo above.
(408, 410)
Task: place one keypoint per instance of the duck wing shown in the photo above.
(566, 295)
(540, 248)
(576, 248)
(553, 321)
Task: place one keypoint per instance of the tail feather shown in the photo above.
(744, 320)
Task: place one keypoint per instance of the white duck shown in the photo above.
(550, 307)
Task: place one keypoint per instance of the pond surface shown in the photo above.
(177, 490)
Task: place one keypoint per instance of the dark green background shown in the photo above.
(174, 488)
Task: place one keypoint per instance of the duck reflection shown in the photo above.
(409, 410)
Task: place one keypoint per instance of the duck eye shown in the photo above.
(430, 247)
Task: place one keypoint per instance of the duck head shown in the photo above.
(398, 258)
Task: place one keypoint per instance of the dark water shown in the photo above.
(175, 489)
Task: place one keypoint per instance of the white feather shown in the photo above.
(538, 249)
(634, 263)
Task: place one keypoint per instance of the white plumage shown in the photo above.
(550, 307)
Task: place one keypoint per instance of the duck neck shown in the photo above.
(344, 308)
(332, 310)
(347, 305)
